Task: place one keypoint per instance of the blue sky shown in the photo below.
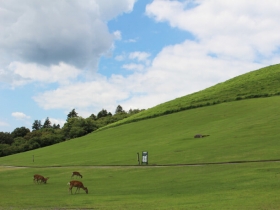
(90, 55)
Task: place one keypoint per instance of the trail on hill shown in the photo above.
(149, 166)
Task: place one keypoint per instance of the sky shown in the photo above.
(90, 55)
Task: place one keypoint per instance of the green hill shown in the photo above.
(238, 129)
(259, 83)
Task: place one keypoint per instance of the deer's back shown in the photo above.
(37, 176)
(76, 183)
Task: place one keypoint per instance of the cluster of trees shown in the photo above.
(22, 139)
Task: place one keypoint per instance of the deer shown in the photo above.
(76, 173)
(40, 178)
(78, 185)
(200, 136)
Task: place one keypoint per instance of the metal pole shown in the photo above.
(138, 158)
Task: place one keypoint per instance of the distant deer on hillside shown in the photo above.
(78, 185)
(200, 136)
(76, 173)
(40, 179)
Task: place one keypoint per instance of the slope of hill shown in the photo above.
(239, 129)
(246, 130)
(264, 82)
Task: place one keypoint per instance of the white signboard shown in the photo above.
(144, 157)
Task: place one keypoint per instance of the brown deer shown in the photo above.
(76, 173)
(200, 136)
(39, 178)
(78, 185)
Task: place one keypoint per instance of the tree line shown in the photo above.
(44, 134)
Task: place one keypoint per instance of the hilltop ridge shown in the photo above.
(264, 82)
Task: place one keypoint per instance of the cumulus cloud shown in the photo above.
(48, 33)
(55, 121)
(140, 57)
(230, 30)
(32, 72)
(133, 66)
(96, 93)
(20, 116)
(118, 35)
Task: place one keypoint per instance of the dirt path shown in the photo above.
(149, 166)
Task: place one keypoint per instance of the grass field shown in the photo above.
(240, 131)
(233, 186)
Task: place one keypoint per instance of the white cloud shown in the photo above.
(111, 8)
(48, 33)
(118, 35)
(137, 56)
(55, 121)
(235, 30)
(133, 66)
(98, 93)
(140, 56)
(20, 116)
(32, 72)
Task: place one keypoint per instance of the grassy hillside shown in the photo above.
(239, 130)
(260, 83)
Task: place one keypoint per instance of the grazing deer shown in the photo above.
(76, 173)
(200, 136)
(40, 178)
(78, 185)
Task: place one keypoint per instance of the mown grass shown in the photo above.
(241, 130)
(233, 186)
(256, 84)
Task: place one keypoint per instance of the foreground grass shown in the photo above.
(233, 186)
(241, 130)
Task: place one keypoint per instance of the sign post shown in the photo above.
(145, 158)
(138, 158)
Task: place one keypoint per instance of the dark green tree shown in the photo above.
(92, 116)
(102, 113)
(6, 138)
(20, 132)
(119, 110)
(47, 123)
(56, 126)
(5, 149)
(76, 127)
(72, 114)
(37, 125)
